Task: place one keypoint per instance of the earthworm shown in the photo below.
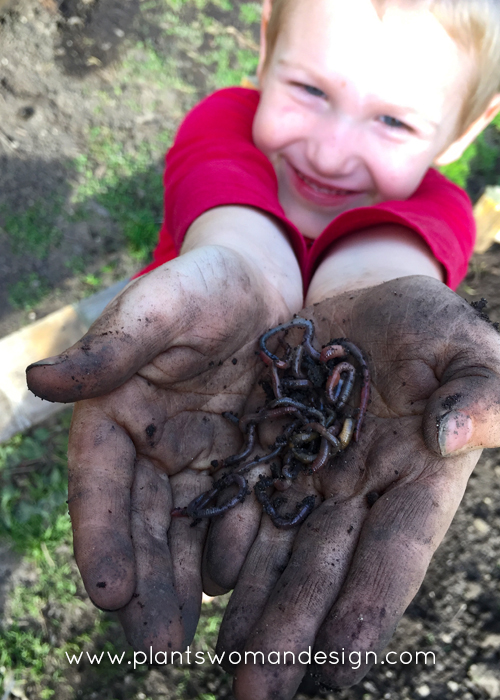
(306, 342)
(198, 507)
(322, 458)
(287, 402)
(339, 398)
(249, 445)
(282, 521)
(310, 389)
(365, 387)
(331, 351)
(346, 433)
(297, 355)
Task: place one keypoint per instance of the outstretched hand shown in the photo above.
(342, 580)
(156, 370)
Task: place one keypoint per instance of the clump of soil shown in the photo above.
(479, 307)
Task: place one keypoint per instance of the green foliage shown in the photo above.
(130, 188)
(33, 518)
(93, 281)
(480, 159)
(218, 47)
(144, 65)
(76, 264)
(20, 649)
(486, 160)
(250, 12)
(210, 619)
(28, 291)
(33, 512)
(230, 66)
(200, 4)
(459, 170)
(34, 230)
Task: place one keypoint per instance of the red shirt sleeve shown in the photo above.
(213, 162)
(439, 211)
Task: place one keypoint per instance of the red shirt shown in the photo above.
(214, 162)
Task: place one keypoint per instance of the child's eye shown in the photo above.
(313, 91)
(392, 122)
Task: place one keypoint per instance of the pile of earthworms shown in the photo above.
(311, 388)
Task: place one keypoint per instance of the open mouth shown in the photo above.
(319, 194)
(322, 188)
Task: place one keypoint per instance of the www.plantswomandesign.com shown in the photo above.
(354, 659)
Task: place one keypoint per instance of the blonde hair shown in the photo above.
(473, 24)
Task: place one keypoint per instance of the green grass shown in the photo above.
(482, 158)
(144, 65)
(28, 291)
(33, 480)
(130, 187)
(34, 231)
(34, 521)
(125, 177)
(250, 12)
(177, 5)
(229, 65)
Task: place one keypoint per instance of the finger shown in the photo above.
(131, 331)
(264, 564)
(153, 618)
(186, 547)
(464, 413)
(300, 601)
(185, 309)
(229, 539)
(101, 470)
(404, 528)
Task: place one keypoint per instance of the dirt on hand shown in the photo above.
(91, 92)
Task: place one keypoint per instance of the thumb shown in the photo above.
(464, 413)
(134, 328)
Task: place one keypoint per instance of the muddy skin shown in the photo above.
(404, 490)
(479, 307)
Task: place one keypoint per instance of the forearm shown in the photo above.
(370, 257)
(259, 240)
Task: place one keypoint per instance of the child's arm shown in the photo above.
(167, 357)
(213, 162)
(370, 257)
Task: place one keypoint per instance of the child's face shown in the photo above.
(355, 109)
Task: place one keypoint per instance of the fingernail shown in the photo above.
(48, 362)
(455, 432)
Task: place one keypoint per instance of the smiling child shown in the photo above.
(357, 100)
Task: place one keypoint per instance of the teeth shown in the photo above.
(318, 188)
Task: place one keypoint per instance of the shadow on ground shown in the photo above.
(48, 242)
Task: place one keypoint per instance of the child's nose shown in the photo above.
(334, 149)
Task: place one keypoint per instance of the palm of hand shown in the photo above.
(345, 578)
(157, 369)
